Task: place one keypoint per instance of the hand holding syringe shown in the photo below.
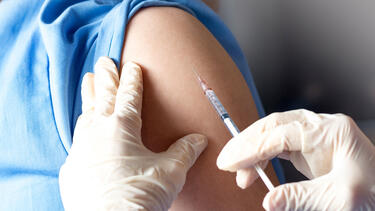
(215, 102)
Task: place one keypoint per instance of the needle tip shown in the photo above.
(202, 83)
(196, 74)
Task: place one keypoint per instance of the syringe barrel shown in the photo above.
(233, 129)
(216, 104)
(214, 100)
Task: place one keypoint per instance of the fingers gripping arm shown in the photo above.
(108, 167)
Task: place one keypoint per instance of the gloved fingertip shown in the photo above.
(131, 74)
(240, 182)
(106, 65)
(88, 92)
(87, 81)
(131, 68)
(88, 76)
(245, 177)
(131, 65)
(220, 163)
(188, 149)
(274, 200)
(224, 160)
(199, 142)
(266, 202)
(104, 59)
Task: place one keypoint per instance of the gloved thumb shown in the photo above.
(317, 194)
(188, 149)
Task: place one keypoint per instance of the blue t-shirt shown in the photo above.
(45, 49)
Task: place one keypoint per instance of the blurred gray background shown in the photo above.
(318, 55)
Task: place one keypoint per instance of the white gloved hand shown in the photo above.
(108, 167)
(328, 149)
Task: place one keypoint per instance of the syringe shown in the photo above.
(233, 129)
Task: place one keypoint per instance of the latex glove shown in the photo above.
(329, 149)
(108, 167)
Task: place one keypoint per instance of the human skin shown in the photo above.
(168, 44)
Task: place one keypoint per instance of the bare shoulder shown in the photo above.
(168, 43)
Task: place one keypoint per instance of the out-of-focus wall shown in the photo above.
(316, 54)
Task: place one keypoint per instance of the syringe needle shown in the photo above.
(233, 129)
(196, 74)
(202, 83)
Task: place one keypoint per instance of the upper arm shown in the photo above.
(169, 43)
